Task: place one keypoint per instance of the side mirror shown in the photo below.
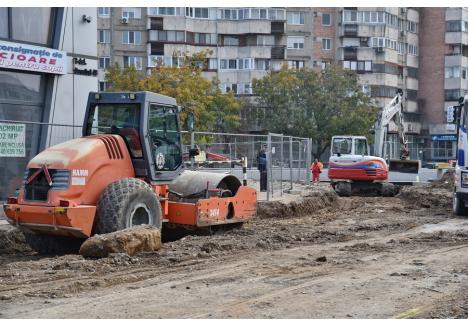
(194, 152)
(190, 121)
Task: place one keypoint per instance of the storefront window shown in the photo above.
(21, 99)
(20, 87)
(31, 24)
(443, 149)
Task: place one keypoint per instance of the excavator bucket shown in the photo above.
(404, 166)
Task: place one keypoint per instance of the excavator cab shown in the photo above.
(149, 125)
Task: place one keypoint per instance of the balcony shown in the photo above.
(350, 53)
(277, 27)
(350, 30)
(278, 52)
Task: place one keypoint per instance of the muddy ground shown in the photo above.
(321, 257)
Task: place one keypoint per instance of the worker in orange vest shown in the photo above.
(316, 168)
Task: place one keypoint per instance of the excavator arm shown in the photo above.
(394, 111)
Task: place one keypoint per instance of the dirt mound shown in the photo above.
(426, 196)
(310, 203)
(144, 238)
(447, 181)
(12, 241)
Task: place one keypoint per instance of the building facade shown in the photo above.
(48, 66)
(422, 51)
(382, 46)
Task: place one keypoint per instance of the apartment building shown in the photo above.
(382, 46)
(122, 39)
(444, 74)
(325, 40)
(420, 50)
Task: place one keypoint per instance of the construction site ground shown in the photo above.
(315, 256)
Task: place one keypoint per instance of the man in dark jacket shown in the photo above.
(262, 167)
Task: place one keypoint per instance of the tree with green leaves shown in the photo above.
(213, 110)
(317, 105)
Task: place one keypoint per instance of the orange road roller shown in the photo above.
(126, 170)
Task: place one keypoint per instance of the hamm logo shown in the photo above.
(79, 173)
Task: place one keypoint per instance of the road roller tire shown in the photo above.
(126, 203)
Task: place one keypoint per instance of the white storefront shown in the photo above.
(48, 66)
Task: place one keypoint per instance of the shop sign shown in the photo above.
(444, 137)
(32, 58)
(83, 72)
(12, 136)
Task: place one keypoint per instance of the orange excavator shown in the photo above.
(126, 170)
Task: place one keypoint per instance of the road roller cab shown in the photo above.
(126, 170)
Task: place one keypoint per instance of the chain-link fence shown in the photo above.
(287, 158)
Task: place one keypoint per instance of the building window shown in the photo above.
(452, 72)
(411, 94)
(4, 22)
(412, 49)
(412, 26)
(295, 42)
(295, 64)
(201, 12)
(452, 94)
(104, 36)
(231, 41)
(350, 16)
(359, 66)
(203, 38)
(247, 88)
(30, 24)
(295, 17)
(212, 64)
(324, 65)
(103, 11)
(326, 19)
(103, 86)
(326, 44)
(230, 64)
(131, 13)
(265, 40)
(262, 64)
(454, 26)
(443, 149)
(137, 62)
(104, 62)
(130, 37)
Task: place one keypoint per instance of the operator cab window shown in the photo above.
(164, 133)
(360, 146)
(118, 119)
(342, 145)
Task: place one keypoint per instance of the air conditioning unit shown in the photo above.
(315, 14)
(124, 20)
(379, 49)
(364, 39)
